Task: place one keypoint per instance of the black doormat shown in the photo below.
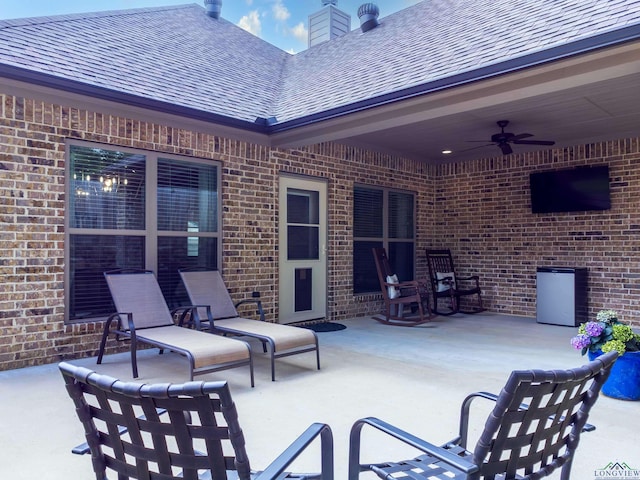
(325, 327)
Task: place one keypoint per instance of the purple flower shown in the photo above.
(581, 341)
(593, 328)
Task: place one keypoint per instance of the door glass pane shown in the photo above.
(187, 197)
(303, 243)
(303, 206)
(106, 189)
(90, 257)
(303, 290)
(303, 219)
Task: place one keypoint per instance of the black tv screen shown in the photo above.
(578, 189)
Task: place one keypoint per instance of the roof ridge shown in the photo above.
(48, 19)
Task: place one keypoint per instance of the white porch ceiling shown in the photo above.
(581, 100)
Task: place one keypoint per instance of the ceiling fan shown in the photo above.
(504, 139)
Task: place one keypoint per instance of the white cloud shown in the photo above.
(280, 12)
(300, 32)
(251, 23)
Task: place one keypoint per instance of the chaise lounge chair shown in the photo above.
(208, 288)
(143, 316)
(176, 431)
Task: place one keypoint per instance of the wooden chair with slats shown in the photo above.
(406, 303)
(447, 285)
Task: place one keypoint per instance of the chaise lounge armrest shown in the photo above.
(194, 320)
(255, 299)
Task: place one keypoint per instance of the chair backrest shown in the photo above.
(383, 267)
(206, 287)
(439, 262)
(199, 426)
(138, 292)
(534, 442)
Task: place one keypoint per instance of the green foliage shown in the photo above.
(607, 333)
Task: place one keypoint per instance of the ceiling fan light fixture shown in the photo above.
(503, 140)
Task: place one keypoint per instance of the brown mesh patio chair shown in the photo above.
(405, 303)
(142, 316)
(206, 287)
(174, 431)
(447, 285)
(533, 429)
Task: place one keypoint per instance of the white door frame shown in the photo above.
(303, 281)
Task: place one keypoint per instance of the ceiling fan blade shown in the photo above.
(534, 142)
(474, 148)
(516, 138)
(506, 148)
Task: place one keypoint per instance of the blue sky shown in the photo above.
(280, 22)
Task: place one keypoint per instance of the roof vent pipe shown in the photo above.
(368, 14)
(213, 8)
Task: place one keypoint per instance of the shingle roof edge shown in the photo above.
(20, 22)
(582, 46)
(76, 87)
(267, 126)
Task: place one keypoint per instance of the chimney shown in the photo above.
(368, 14)
(213, 8)
(330, 22)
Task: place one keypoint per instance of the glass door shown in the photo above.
(303, 245)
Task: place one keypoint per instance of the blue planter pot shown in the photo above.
(624, 381)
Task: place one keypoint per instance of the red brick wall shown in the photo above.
(479, 209)
(32, 165)
(485, 218)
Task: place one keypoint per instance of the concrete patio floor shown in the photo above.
(414, 378)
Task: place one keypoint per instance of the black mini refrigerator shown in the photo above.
(561, 296)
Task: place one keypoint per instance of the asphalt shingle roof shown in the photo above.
(437, 39)
(180, 56)
(177, 55)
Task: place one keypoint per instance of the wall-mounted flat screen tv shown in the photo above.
(574, 190)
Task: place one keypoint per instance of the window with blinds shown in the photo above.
(382, 218)
(132, 209)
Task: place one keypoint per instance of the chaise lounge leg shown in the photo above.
(134, 359)
(103, 343)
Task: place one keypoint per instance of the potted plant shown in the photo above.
(608, 333)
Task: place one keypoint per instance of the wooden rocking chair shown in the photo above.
(445, 284)
(398, 295)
